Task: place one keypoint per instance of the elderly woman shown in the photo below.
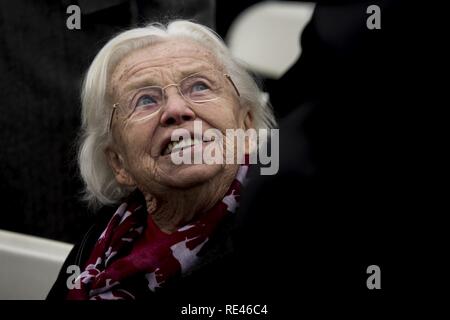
(157, 215)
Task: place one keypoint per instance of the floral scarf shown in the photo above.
(133, 256)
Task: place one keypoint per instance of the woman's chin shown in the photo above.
(191, 175)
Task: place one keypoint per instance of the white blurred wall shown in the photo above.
(29, 265)
(266, 35)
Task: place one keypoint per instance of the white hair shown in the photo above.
(101, 187)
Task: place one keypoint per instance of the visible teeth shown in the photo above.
(174, 146)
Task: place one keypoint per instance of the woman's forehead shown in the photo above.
(171, 58)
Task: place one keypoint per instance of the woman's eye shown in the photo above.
(146, 101)
(199, 86)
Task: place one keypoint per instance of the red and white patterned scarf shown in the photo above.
(133, 256)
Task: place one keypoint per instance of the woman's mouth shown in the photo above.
(176, 146)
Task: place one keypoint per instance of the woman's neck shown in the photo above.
(179, 207)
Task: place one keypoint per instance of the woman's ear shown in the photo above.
(250, 143)
(248, 120)
(115, 161)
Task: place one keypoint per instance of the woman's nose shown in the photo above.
(176, 109)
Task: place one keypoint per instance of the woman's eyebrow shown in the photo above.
(146, 80)
(140, 83)
(192, 70)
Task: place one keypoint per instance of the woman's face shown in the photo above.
(139, 156)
